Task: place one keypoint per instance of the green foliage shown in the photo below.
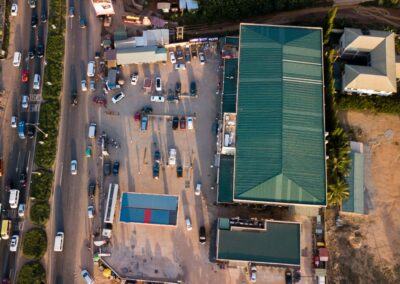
(35, 244)
(41, 186)
(6, 28)
(373, 104)
(329, 24)
(330, 102)
(40, 212)
(32, 273)
(338, 191)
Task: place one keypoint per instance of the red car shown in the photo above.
(182, 123)
(24, 76)
(137, 116)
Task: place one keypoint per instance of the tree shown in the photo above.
(339, 163)
(40, 212)
(329, 24)
(35, 244)
(32, 273)
(338, 192)
(41, 186)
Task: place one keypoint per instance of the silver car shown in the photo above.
(74, 167)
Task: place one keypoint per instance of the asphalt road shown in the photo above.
(18, 153)
(70, 195)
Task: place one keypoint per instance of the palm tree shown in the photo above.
(339, 162)
(338, 192)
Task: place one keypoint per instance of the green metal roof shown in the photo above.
(229, 97)
(355, 180)
(225, 188)
(234, 40)
(280, 149)
(279, 244)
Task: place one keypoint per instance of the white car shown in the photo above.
(25, 101)
(188, 224)
(14, 9)
(197, 191)
(157, 99)
(74, 167)
(158, 84)
(172, 57)
(14, 243)
(115, 99)
(21, 210)
(83, 86)
(180, 66)
(190, 122)
(172, 157)
(90, 212)
(134, 78)
(13, 121)
(202, 58)
(36, 82)
(253, 274)
(86, 276)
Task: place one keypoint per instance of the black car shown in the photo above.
(202, 235)
(179, 53)
(74, 98)
(31, 53)
(22, 179)
(92, 189)
(288, 276)
(82, 22)
(107, 168)
(43, 17)
(34, 21)
(179, 171)
(193, 90)
(116, 168)
(31, 131)
(147, 110)
(157, 156)
(194, 51)
(178, 88)
(175, 123)
(40, 51)
(156, 170)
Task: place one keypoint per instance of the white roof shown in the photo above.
(381, 75)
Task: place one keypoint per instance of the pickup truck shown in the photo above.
(172, 157)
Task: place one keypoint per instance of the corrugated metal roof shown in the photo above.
(279, 244)
(225, 189)
(280, 124)
(139, 55)
(229, 97)
(355, 180)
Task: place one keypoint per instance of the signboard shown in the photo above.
(103, 7)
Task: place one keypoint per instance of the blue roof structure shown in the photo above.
(355, 180)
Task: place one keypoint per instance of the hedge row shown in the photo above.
(374, 104)
(34, 244)
(32, 273)
(6, 28)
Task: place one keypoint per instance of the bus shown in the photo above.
(110, 209)
(5, 229)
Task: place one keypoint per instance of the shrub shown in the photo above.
(35, 244)
(31, 273)
(40, 212)
(375, 104)
(41, 186)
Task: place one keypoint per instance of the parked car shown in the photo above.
(197, 191)
(74, 167)
(180, 66)
(190, 123)
(172, 57)
(202, 235)
(92, 189)
(175, 123)
(179, 171)
(34, 21)
(158, 84)
(83, 86)
(202, 58)
(157, 99)
(14, 9)
(134, 78)
(178, 88)
(172, 157)
(194, 51)
(143, 123)
(193, 89)
(24, 101)
(86, 276)
(116, 168)
(14, 243)
(90, 211)
(157, 156)
(179, 53)
(188, 224)
(107, 167)
(74, 98)
(21, 210)
(137, 116)
(24, 76)
(118, 97)
(187, 56)
(13, 121)
(182, 123)
(253, 273)
(71, 11)
(156, 170)
(288, 276)
(43, 17)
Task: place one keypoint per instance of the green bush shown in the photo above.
(34, 244)
(374, 104)
(40, 212)
(31, 273)
(41, 186)
(6, 28)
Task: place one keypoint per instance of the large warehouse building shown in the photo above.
(274, 139)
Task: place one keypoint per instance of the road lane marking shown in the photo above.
(61, 173)
(27, 166)
(19, 154)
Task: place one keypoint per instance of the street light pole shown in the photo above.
(37, 127)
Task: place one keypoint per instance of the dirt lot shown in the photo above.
(366, 250)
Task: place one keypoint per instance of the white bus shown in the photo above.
(14, 198)
(110, 209)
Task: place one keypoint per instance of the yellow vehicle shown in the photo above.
(5, 229)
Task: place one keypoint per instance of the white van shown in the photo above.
(92, 130)
(17, 58)
(14, 198)
(90, 69)
(36, 82)
(59, 242)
